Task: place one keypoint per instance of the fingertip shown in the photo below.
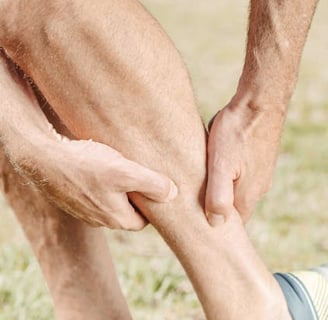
(173, 192)
(215, 219)
(153, 185)
(166, 192)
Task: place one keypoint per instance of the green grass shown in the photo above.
(290, 224)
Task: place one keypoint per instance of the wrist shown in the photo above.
(264, 89)
(258, 97)
(249, 114)
(23, 146)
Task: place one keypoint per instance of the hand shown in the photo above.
(90, 181)
(242, 151)
(87, 179)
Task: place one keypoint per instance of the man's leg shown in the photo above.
(74, 258)
(112, 75)
(228, 276)
(226, 272)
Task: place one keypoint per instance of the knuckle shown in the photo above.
(217, 205)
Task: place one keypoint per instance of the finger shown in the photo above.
(219, 195)
(127, 218)
(151, 184)
(245, 203)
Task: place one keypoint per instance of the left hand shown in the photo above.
(242, 151)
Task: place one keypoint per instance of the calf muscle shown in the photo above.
(122, 83)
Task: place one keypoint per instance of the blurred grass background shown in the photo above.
(290, 227)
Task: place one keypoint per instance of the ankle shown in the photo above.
(274, 303)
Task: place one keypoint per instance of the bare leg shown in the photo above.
(221, 263)
(74, 257)
(122, 83)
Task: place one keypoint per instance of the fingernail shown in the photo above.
(215, 219)
(173, 192)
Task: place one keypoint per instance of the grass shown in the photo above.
(290, 224)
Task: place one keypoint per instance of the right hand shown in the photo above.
(90, 181)
(87, 179)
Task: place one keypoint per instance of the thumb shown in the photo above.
(151, 184)
(219, 196)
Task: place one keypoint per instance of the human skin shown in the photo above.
(245, 136)
(98, 195)
(73, 256)
(130, 90)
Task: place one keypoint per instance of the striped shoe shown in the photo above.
(306, 293)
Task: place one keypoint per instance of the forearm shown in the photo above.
(276, 37)
(22, 123)
(245, 136)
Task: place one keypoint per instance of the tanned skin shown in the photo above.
(112, 75)
(97, 197)
(73, 256)
(245, 135)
